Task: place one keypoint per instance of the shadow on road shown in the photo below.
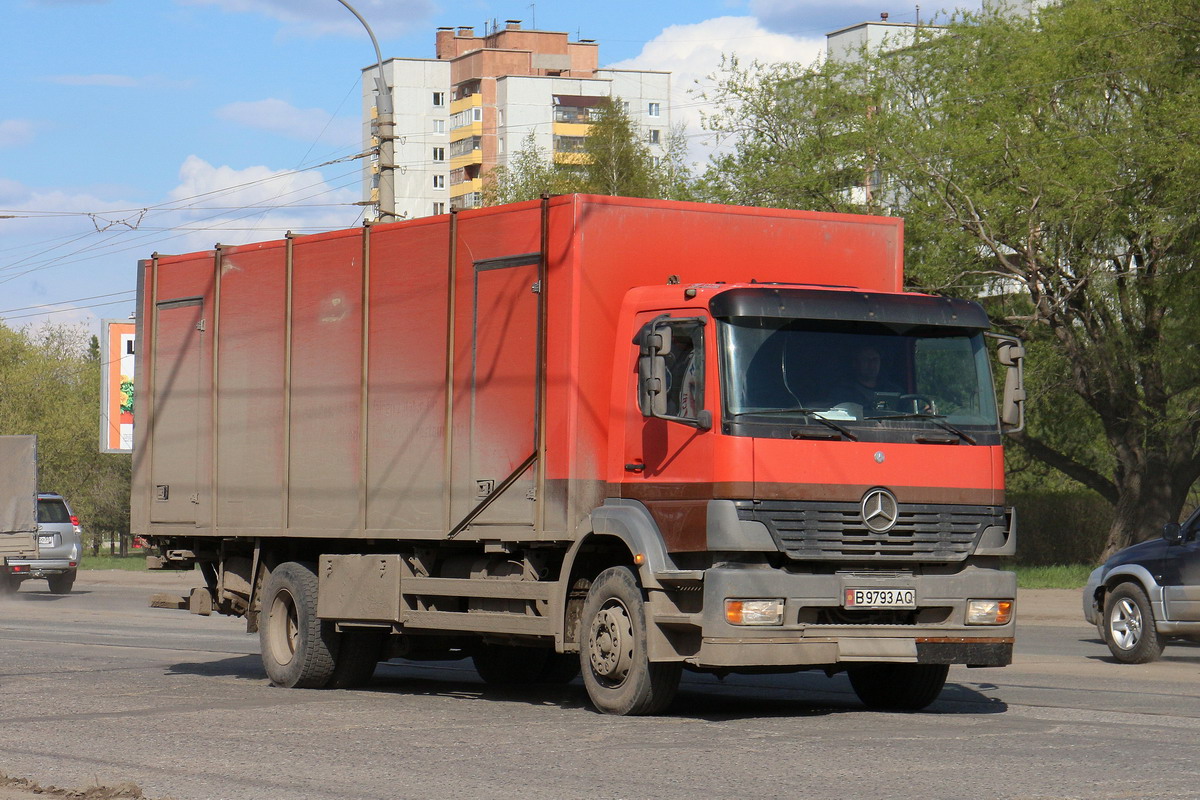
(701, 696)
(40, 596)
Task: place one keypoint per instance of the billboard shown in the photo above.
(117, 341)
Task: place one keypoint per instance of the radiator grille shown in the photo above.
(826, 531)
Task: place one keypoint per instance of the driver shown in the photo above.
(865, 382)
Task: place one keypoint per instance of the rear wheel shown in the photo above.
(617, 672)
(8, 584)
(61, 584)
(898, 687)
(298, 649)
(1129, 629)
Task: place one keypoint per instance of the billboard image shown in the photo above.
(116, 385)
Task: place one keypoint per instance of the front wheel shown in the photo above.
(898, 687)
(298, 649)
(613, 656)
(1130, 632)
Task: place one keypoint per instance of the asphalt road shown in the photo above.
(98, 688)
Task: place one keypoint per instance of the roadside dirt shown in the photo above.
(22, 789)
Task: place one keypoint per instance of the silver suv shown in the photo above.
(60, 544)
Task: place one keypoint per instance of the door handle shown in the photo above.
(635, 467)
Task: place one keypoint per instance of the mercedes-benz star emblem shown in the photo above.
(880, 510)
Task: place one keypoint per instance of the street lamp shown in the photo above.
(384, 126)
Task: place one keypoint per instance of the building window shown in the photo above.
(439, 154)
(572, 114)
(654, 134)
(500, 117)
(655, 110)
(439, 208)
(439, 99)
(439, 126)
(466, 117)
(464, 146)
(569, 144)
(439, 181)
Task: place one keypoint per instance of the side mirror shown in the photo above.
(654, 343)
(1011, 354)
(1172, 532)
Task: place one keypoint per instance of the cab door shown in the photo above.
(668, 463)
(1181, 574)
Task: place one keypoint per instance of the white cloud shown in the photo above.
(304, 124)
(321, 17)
(235, 206)
(16, 132)
(692, 53)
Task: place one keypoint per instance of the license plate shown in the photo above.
(881, 598)
(46, 540)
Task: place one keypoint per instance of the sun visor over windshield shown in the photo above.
(910, 310)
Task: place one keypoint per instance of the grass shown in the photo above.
(137, 562)
(1065, 576)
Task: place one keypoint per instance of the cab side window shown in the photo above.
(685, 370)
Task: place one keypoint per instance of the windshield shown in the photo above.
(858, 376)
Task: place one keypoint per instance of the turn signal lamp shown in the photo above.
(989, 612)
(754, 612)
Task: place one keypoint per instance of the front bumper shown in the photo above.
(41, 567)
(816, 631)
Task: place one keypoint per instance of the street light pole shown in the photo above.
(384, 131)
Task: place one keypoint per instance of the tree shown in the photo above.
(50, 386)
(615, 160)
(530, 173)
(1047, 164)
(618, 157)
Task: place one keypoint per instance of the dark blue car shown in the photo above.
(1148, 593)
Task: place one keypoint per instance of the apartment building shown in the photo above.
(462, 113)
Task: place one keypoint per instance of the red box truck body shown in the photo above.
(630, 435)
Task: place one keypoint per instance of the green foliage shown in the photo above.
(1045, 163)
(530, 173)
(1057, 576)
(50, 386)
(616, 160)
(1060, 526)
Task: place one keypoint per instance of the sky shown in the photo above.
(129, 127)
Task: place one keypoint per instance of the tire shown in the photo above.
(507, 665)
(8, 585)
(359, 651)
(618, 675)
(898, 687)
(1129, 628)
(61, 584)
(298, 649)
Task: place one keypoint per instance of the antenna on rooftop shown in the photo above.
(533, 15)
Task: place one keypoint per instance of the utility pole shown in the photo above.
(383, 132)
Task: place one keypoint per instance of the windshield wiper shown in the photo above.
(813, 413)
(936, 419)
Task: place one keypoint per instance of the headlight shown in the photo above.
(754, 612)
(989, 612)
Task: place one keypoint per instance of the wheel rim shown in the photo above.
(284, 627)
(1125, 624)
(610, 644)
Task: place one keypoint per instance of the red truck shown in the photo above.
(618, 435)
